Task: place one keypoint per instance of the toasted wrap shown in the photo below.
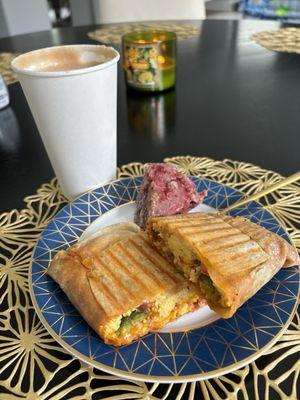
(121, 286)
(229, 258)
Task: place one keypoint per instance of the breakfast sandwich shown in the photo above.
(121, 286)
(229, 258)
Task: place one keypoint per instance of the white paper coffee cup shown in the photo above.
(75, 111)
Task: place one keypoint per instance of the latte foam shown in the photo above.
(64, 58)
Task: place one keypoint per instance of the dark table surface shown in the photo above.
(233, 99)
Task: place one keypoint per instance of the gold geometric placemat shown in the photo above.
(33, 366)
(113, 34)
(8, 75)
(284, 40)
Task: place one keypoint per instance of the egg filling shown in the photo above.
(149, 316)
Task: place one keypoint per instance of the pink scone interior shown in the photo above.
(165, 191)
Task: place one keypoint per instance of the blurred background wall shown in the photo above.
(82, 12)
(23, 16)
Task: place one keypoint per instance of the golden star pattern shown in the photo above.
(33, 365)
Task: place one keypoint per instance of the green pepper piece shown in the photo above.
(126, 322)
(137, 315)
(208, 288)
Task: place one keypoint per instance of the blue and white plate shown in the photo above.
(199, 345)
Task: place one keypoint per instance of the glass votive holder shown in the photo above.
(149, 60)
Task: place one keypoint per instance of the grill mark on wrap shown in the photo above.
(187, 217)
(247, 250)
(110, 300)
(158, 268)
(147, 272)
(134, 277)
(157, 259)
(215, 234)
(254, 231)
(224, 242)
(146, 281)
(191, 229)
(110, 275)
(182, 222)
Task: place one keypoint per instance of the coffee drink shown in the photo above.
(72, 94)
(65, 58)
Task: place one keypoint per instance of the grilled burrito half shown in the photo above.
(229, 258)
(123, 289)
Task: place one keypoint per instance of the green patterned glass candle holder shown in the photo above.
(149, 60)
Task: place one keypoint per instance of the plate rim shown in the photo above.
(155, 378)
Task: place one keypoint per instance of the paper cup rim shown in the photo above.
(55, 74)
